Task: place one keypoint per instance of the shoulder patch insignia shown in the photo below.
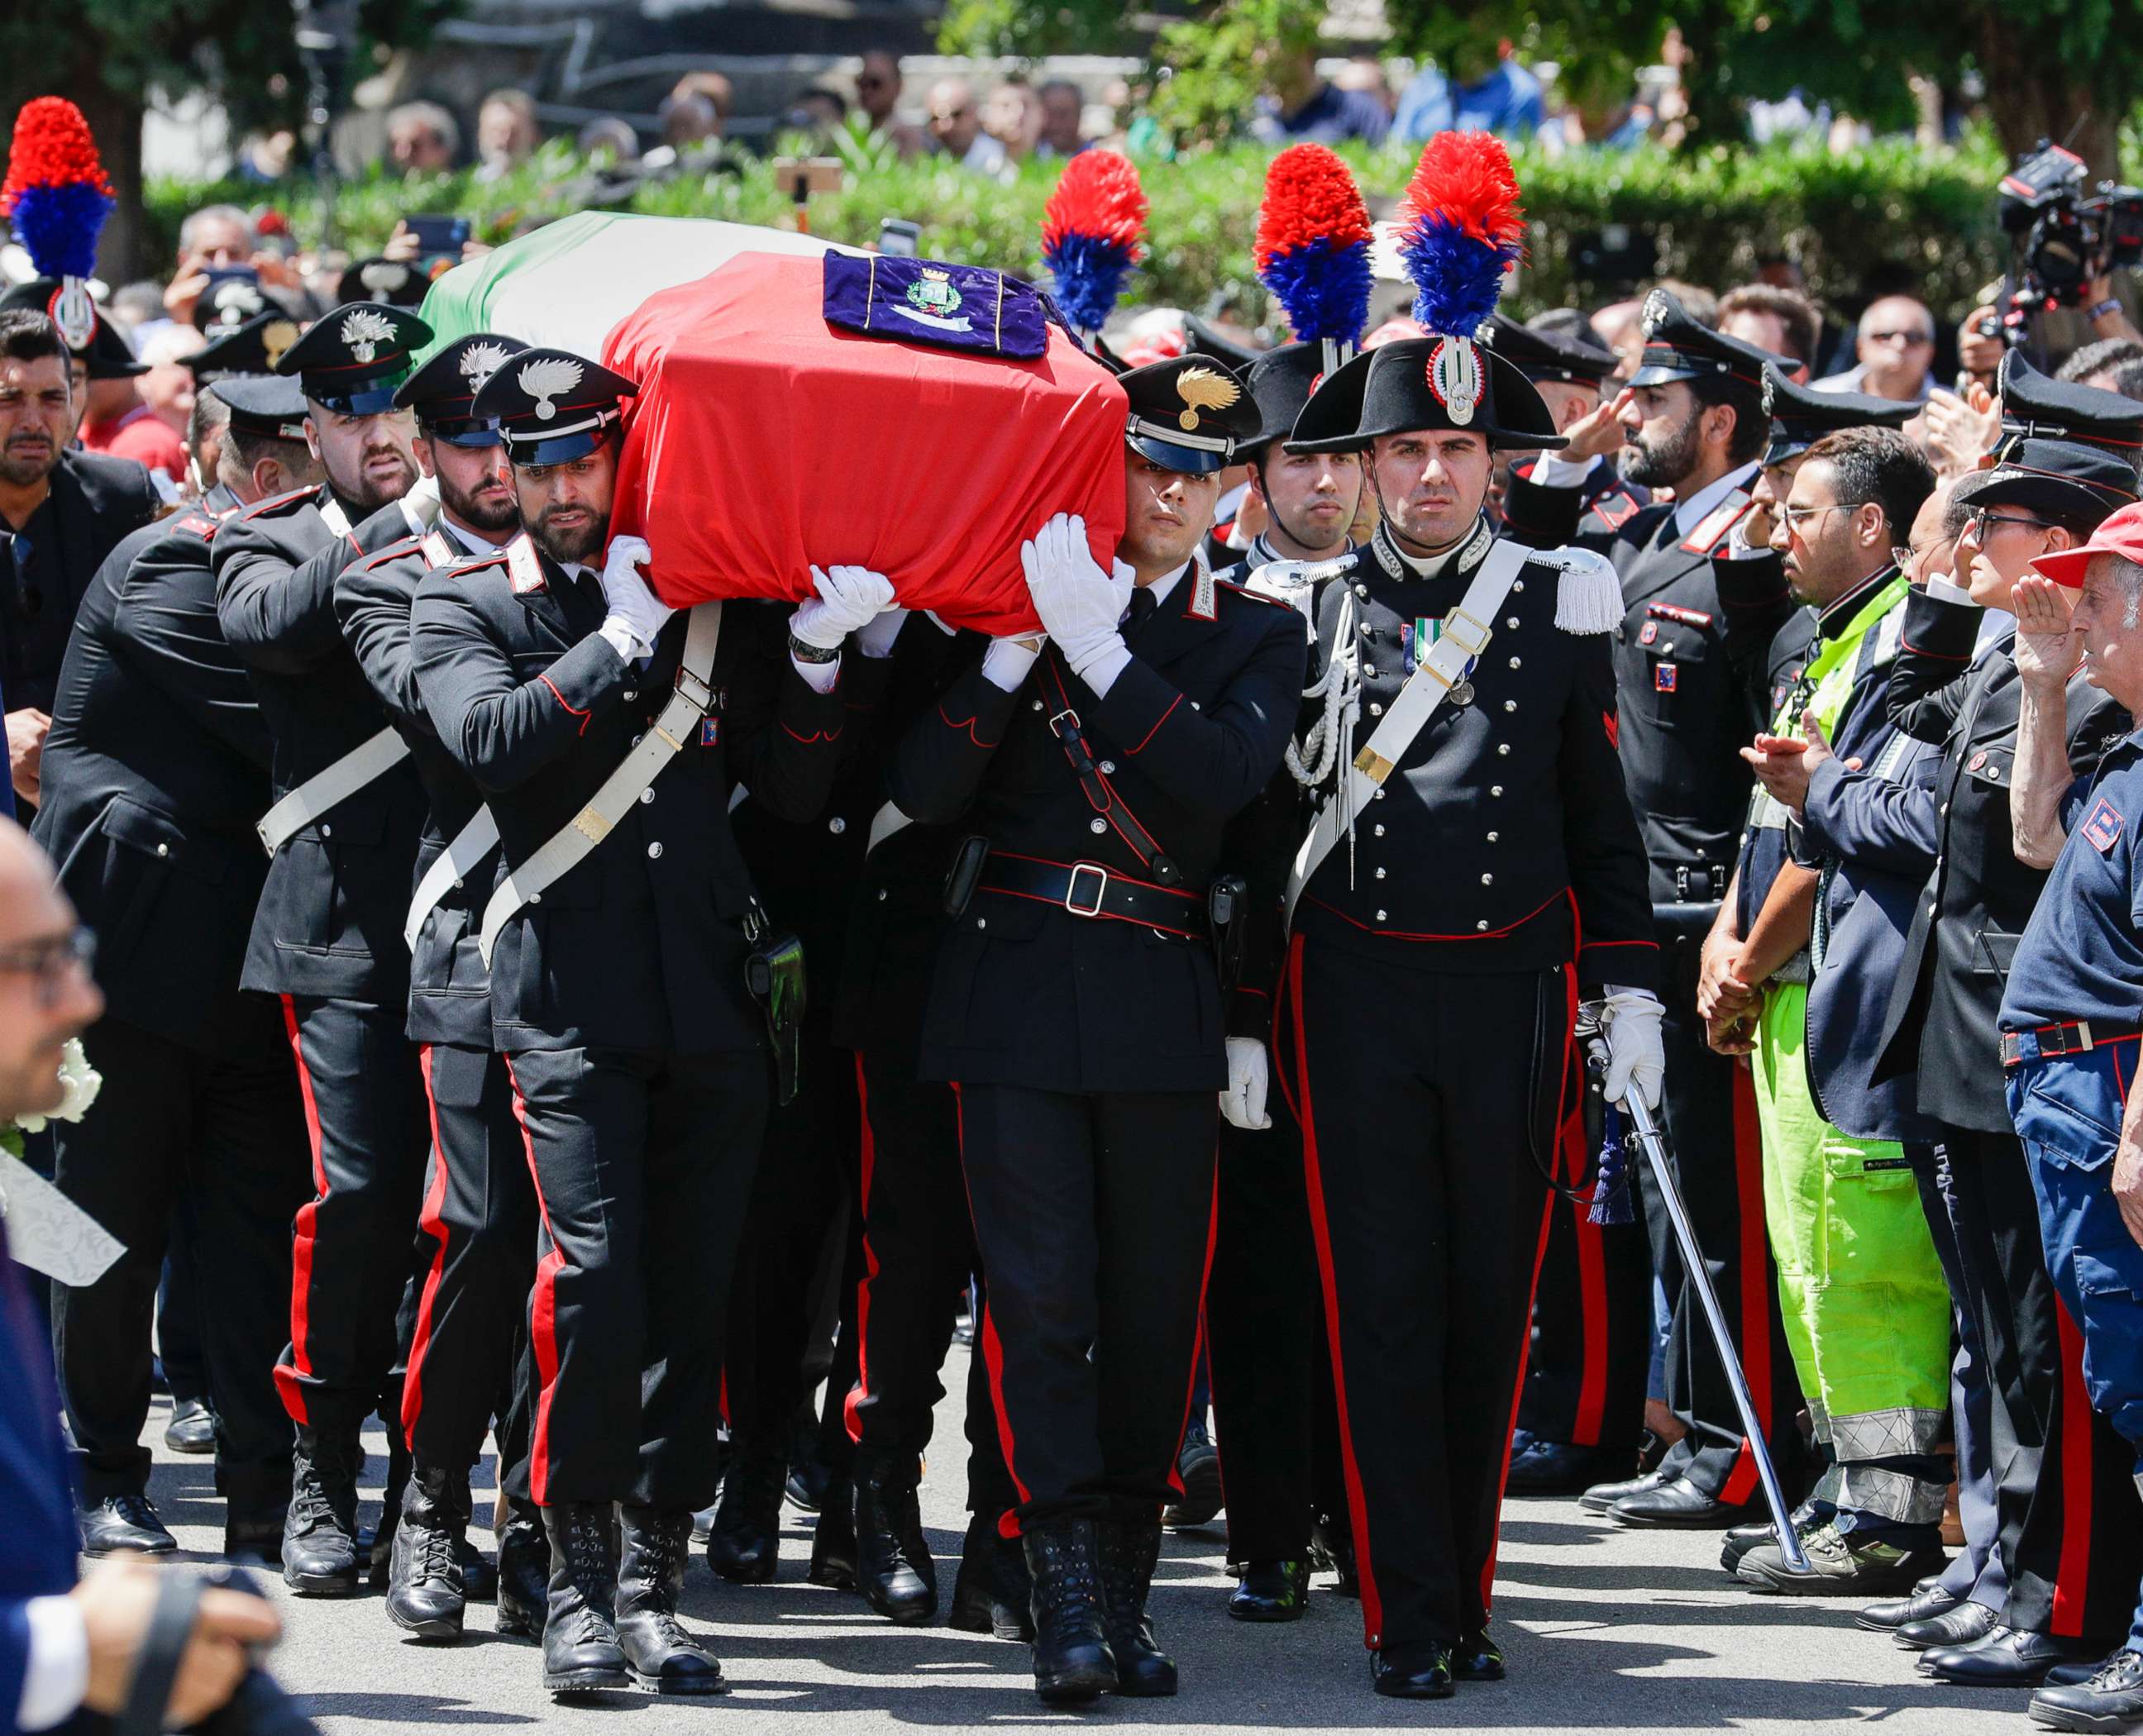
(1712, 528)
(1201, 606)
(437, 551)
(1615, 508)
(1589, 599)
(1676, 612)
(523, 567)
(2102, 829)
(392, 552)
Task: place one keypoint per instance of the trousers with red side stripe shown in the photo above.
(478, 1225)
(643, 1161)
(354, 1248)
(1419, 1093)
(1094, 1211)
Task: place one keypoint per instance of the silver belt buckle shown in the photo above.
(1101, 888)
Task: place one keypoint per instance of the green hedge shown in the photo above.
(1715, 213)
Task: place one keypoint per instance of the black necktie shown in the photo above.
(1142, 606)
(1668, 533)
(588, 584)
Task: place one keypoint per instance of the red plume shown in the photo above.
(1098, 196)
(1465, 178)
(1310, 195)
(51, 147)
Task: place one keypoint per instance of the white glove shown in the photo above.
(1636, 1055)
(636, 612)
(420, 505)
(1080, 605)
(1244, 1101)
(876, 640)
(848, 597)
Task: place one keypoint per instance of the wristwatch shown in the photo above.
(804, 651)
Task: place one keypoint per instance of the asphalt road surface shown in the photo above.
(1604, 1629)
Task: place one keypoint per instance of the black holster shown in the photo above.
(965, 874)
(773, 977)
(1227, 910)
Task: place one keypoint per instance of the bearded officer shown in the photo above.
(341, 836)
(155, 772)
(1692, 687)
(1472, 872)
(1076, 1003)
(479, 1210)
(623, 931)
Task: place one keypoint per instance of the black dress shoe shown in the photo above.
(1965, 1624)
(1422, 1673)
(1680, 1505)
(2111, 1699)
(1198, 1468)
(1902, 1612)
(1600, 1497)
(1271, 1591)
(1476, 1657)
(192, 1426)
(1557, 1468)
(2007, 1657)
(524, 1571)
(125, 1521)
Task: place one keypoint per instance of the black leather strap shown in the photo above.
(1101, 795)
(1087, 889)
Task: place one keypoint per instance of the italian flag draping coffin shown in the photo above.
(763, 440)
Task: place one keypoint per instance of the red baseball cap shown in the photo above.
(2121, 534)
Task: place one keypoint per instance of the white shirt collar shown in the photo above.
(470, 542)
(1690, 513)
(1159, 590)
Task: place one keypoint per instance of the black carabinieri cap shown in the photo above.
(1280, 382)
(1801, 416)
(1188, 413)
(83, 327)
(2065, 480)
(351, 360)
(2037, 407)
(1574, 360)
(1200, 339)
(379, 278)
(252, 348)
(443, 392)
(263, 405)
(552, 406)
(1678, 347)
(1426, 384)
(230, 304)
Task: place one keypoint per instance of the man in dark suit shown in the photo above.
(62, 512)
(623, 933)
(64, 1646)
(155, 769)
(479, 1226)
(1076, 1006)
(341, 834)
(2067, 461)
(1703, 601)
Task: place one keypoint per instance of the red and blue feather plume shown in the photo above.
(1312, 248)
(1463, 230)
(1091, 232)
(56, 197)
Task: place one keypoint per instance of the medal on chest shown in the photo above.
(1417, 635)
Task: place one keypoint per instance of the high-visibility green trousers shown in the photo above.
(1867, 1311)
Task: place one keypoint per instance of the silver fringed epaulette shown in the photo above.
(1294, 582)
(1589, 600)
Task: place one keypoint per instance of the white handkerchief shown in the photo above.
(48, 1231)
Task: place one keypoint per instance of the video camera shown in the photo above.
(2065, 239)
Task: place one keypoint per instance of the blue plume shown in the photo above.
(1089, 273)
(1324, 286)
(58, 226)
(1457, 276)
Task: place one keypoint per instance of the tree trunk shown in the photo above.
(2033, 97)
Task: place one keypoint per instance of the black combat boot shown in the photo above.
(833, 1538)
(744, 1546)
(894, 1570)
(662, 1656)
(992, 1593)
(425, 1592)
(1129, 1552)
(1072, 1662)
(580, 1653)
(319, 1530)
(524, 1570)
(399, 1466)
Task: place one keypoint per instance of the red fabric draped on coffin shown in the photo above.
(763, 441)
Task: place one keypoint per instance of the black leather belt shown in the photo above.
(1087, 889)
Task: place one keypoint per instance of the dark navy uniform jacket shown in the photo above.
(39, 1542)
(1504, 840)
(2081, 955)
(1691, 673)
(640, 946)
(449, 988)
(1027, 993)
(1606, 502)
(1976, 904)
(154, 773)
(330, 917)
